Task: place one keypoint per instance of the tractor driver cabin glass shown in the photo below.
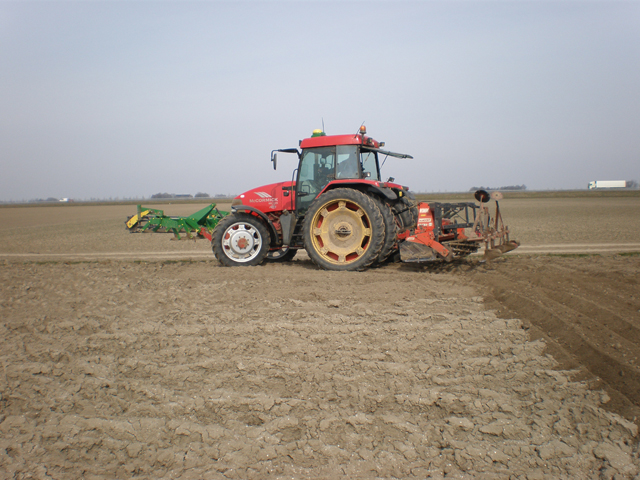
(370, 166)
(321, 165)
(347, 166)
(316, 170)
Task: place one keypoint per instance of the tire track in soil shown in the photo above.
(587, 309)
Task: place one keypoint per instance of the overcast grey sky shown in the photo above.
(124, 99)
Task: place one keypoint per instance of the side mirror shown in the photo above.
(274, 155)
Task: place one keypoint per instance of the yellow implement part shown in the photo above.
(136, 218)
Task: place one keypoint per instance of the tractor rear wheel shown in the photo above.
(343, 230)
(240, 239)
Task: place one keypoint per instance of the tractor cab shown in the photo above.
(329, 161)
(319, 166)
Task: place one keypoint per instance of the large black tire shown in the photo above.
(406, 212)
(343, 230)
(390, 229)
(240, 240)
(281, 255)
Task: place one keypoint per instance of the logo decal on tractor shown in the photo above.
(265, 197)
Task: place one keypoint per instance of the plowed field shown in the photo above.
(133, 356)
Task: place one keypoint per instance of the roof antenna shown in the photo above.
(323, 124)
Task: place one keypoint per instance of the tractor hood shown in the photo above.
(268, 198)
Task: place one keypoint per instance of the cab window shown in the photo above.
(316, 170)
(370, 166)
(347, 165)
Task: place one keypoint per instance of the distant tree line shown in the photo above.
(160, 195)
(40, 200)
(197, 195)
(180, 195)
(508, 187)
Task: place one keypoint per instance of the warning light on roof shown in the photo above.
(363, 130)
(318, 133)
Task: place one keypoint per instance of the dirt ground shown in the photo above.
(587, 310)
(141, 366)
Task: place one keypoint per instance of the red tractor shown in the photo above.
(346, 217)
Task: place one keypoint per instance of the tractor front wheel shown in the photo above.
(240, 239)
(343, 230)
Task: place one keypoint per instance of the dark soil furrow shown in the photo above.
(587, 350)
(601, 324)
(585, 323)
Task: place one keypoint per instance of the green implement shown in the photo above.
(199, 224)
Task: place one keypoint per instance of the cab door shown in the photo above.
(317, 169)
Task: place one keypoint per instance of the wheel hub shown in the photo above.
(343, 230)
(241, 242)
